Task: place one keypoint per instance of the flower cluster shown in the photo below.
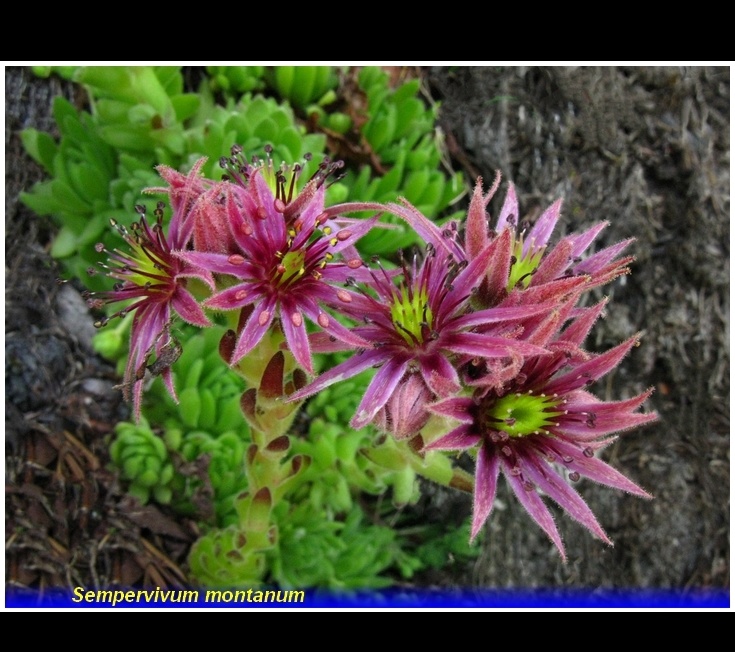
(247, 243)
(477, 339)
(487, 329)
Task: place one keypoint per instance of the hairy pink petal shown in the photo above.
(553, 263)
(486, 483)
(188, 309)
(294, 329)
(256, 327)
(591, 370)
(458, 439)
(347, 369)
(543, 228)
(594, 468)
(546, 479)
(454, 408)
(508, 217)
(535, 507)
(379, 390)
(477, 344)
(476, 239)
(439, 375)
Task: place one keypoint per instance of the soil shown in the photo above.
(645, 148)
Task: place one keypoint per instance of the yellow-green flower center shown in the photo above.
(291, 267)
(524, 266)
(411, 314)
(519, 415)
(140, 275)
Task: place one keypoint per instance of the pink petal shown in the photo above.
(591, 370)
(535, 507)
(440, 376)
(508, 217)
(333, 327)
(486, 346)
(257, 326)
(543, 228)
(458, 439)
(546, 479)
(234, 297)
(454, 408)
(497, 273)
(476, 238)
(602, 418)
(581, 241)
(379, 390)
(553, 264)
(598, 261)
(585, 318)
(427, 229)
(294, 328)
(188, 309)
(594, 468)
(486, 483)
(218, 263)
(347, 369)
(500, 314)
